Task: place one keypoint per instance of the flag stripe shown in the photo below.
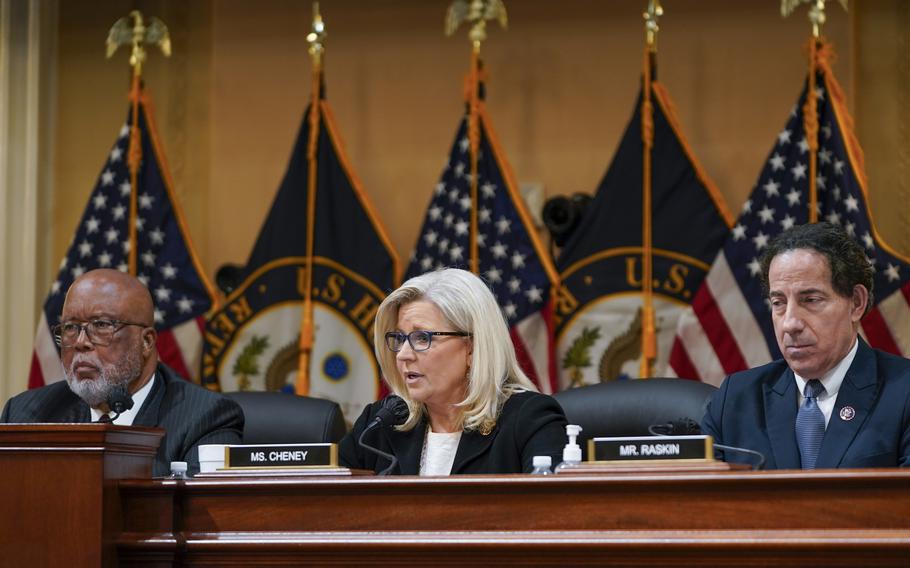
(682, 364)
(49, 367)
(737, 314)
(169, 353)
(876, 331)
(715, 328)
(895, 311)
(695, 342)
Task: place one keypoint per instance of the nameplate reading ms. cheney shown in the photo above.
(697, 448)
(282, 456)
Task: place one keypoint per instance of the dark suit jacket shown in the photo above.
(530, 424)
(190, 415)
(756, 409)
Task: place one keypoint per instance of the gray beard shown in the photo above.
(96, 391)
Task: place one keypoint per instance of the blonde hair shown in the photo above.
(468, 306)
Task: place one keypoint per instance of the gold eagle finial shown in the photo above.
(316, 37)
(155, 33)
(476, 12)
(651, 15)
(816, 12)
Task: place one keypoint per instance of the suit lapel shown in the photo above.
(76, 413)
(148, 414)
(471, 445)
(407, 447)
(859, 391)
(780, 417)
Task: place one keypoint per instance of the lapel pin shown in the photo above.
(847, 413)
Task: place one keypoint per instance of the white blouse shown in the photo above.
(439, 452)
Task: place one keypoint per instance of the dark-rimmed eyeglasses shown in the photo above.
(99, 331)
(419, 339)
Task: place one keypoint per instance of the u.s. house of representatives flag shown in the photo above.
(165, 260)
(511, 258)
(253, 343)
(599, 309)
(729, 327)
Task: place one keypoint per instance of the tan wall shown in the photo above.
(563, 79)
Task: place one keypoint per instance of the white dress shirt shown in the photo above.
(439, 452)
(127, 416)
(831, 381)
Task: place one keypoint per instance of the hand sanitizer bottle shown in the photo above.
(571, 454)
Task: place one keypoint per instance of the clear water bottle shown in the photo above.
(542, 465)
(571, 454)
(178, 470)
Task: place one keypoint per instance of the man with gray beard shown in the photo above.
(107, 340)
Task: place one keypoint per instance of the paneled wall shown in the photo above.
(562, 82)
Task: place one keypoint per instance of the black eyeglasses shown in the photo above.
(99, 331)
(419, 339)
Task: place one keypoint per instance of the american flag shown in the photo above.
(511, 257)
(729, 326)
(165, 261)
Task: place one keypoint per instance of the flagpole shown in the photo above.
(648, 329)
(316, 50)
(810, 108)
(476, 12)
(122, 34)
(474, 139)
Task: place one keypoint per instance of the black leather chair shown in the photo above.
(282, 418)
(630, 407)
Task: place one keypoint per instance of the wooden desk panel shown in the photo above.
(834, 518)
(60, 502)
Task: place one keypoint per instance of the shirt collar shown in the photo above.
(833, 379)
(127, 416)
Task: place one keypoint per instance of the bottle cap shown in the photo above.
(542, 461)
(178, 467)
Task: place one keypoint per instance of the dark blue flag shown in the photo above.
(599, 310)
(254, 343)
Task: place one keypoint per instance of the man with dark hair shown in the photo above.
(832, 401)
(107, 342)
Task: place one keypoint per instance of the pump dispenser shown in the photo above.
(571, 454)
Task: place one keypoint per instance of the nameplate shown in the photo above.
(651, 448)
(281, 456)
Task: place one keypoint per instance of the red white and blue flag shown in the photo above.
(728, 328)
(511, 258)
(165, 260)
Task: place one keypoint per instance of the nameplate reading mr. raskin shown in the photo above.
(651, 448)
(282, 456)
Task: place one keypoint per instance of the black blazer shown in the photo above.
(529, 425)
(190, 415)
(756, 409)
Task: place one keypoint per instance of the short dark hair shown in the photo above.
(846, 258)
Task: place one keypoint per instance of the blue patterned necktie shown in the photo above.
(810, 424)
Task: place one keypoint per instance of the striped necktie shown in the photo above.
(810, 424)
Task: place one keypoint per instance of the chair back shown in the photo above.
(630, 407)
(282, 418)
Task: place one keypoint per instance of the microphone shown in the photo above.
(393, 412)
(687, 427)
(119, 400)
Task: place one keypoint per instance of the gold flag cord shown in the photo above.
(474, 140)
(306, 321)
(134, 160)
(810, 125)
(648, 339)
